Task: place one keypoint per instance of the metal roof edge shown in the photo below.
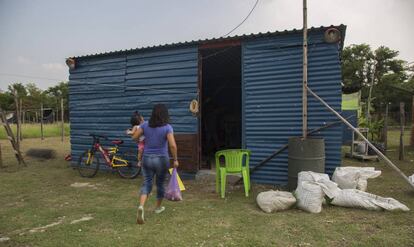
(341, 28)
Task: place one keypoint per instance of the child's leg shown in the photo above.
(140, 152)
(140, 157)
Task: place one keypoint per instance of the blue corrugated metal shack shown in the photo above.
(249, 88)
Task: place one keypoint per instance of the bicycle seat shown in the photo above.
(117, 142)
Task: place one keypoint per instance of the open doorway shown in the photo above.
(221, 101)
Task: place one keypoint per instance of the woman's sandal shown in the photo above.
(159, 210)
(140, 215)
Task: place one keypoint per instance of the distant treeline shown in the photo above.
(32, 97)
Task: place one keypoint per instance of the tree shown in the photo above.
(360, 63)
(56, 93)
(35, 96)
(357, 63)
(389, 72)
(19, 88)
(6, 101)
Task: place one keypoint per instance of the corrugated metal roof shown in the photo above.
(244, 37)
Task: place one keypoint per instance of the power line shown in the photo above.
(241, 23)
(101, 84)
(288, 55)
(31, 77)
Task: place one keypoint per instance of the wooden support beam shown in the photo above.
(305, 72)
(381, 155)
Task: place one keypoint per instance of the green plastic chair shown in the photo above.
(233, 163)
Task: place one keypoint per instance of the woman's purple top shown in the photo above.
(156, 139)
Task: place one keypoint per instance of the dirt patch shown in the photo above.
(85, 218)
(43, 228)
(4, 239)
(83, 185)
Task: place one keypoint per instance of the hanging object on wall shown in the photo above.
(332, 35)
(70, 62)
(194, 106)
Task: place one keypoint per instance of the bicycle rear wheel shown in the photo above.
(132, 170)
(88, 164)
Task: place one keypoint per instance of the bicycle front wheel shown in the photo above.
(88, 164)
(131, 170)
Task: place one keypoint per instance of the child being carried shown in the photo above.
(136, 120)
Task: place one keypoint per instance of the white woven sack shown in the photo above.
(353, 198)
(350, 177)
(411, 178)
(311, 176)
(273, 201)
(329, 188)
(309, 197)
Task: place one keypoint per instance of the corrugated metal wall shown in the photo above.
(105, 90)
(167, 76)
(272, 110)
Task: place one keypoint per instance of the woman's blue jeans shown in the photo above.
(154, 165)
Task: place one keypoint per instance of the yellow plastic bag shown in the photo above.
(180, 182)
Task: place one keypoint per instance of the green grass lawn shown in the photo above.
(40, 194)
(33, 130)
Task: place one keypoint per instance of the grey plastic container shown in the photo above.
(304, 155)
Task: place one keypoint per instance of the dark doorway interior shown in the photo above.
(221, 100)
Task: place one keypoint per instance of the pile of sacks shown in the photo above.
(347, 190)
(350, 177)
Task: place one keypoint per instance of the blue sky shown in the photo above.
(37, 36)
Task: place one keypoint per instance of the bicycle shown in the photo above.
(88, 164)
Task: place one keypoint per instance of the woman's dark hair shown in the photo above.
(159, 116)
(135, 118)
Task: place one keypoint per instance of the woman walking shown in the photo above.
(158, 136)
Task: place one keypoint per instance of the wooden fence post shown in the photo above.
(402, 121)
(41, 121)
(62, 118)
(1, 158)
(21, 118)
(16, 105)
(412, 122)
(385, 135)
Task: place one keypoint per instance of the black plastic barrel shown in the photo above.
(304, 155)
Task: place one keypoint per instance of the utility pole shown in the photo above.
(305, 73)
